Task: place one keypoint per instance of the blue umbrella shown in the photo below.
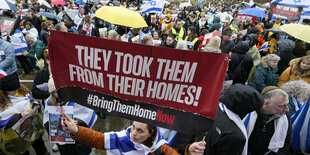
(253, 12)
(49, 15)
(80, 2)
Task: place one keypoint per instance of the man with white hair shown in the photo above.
(61, 27)
(36, 49)
(269, 129)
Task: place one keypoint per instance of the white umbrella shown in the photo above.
(4, 5)
(183, 5)
(45, 3)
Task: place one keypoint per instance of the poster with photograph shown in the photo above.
(26, 125)
(56, 133)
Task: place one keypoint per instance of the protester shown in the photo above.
(285, 47)
(47, 25)
(169, 42)
(192, 22)
(82, 116)
(213, 46)
(142, 139)
(299, 69)
(228, 135)
(240, 64)
(216, 24)
(226, 44)
(192, 38)
(269, 128)
(7, 57)
(298, 92)
(270, 46)
(36, 48)
(41, 78)
(16, 103)
(265, 73)
(29, 28)
(178, 30)
(182, 45)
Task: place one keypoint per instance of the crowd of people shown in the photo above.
(270, 74)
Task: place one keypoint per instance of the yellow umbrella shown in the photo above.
(299, 31)
(121, 16)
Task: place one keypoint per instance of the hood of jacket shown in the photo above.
(241, 48)
(254, 39)
(242, 99)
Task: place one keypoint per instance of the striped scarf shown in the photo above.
(120, 143)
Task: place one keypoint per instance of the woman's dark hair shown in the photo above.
(192, 36)
(153, 131)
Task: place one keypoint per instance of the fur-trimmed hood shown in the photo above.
(296, 70)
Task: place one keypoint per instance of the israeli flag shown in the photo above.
(297, 3)
(19, 42)
(301, 128)
(152, 6)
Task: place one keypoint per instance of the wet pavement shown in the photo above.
(109, 123)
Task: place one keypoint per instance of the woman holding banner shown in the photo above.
(138, 139)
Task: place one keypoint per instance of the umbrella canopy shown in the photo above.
(58, 2)
(299, 31)
(70, 13)
(6, 5)
(45, 3)
(80, 2)
(49, 15)
(121, 16)
(254, 12)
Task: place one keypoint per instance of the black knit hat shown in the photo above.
(9, 82)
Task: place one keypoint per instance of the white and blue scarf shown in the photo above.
(85, 114)
(278, 138)
(120, 143)
(19, 105)
(237, 120)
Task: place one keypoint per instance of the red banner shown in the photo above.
(243, 18)
(160, 86)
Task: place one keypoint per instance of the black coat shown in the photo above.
(226, 46)
(225, 137)
(41, 77)
(260, 138)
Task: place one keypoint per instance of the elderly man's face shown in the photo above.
(278, 105)
(29, 42)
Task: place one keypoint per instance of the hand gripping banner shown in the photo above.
(171, 88)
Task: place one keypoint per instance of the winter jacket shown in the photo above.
(41, 77)
(7, 57)
(36, 52)
(195, 24)
(294, 73)
(216, 24)
(44, 36)
(97, 140)
(225, 137)
(264, 75)
(238, 55)
(253, 51)
(261, 136)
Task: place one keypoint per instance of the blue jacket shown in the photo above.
(7, 57)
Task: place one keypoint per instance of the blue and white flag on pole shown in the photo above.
(152, 6)
(301, 129)
(297, 3)
(19, 42)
